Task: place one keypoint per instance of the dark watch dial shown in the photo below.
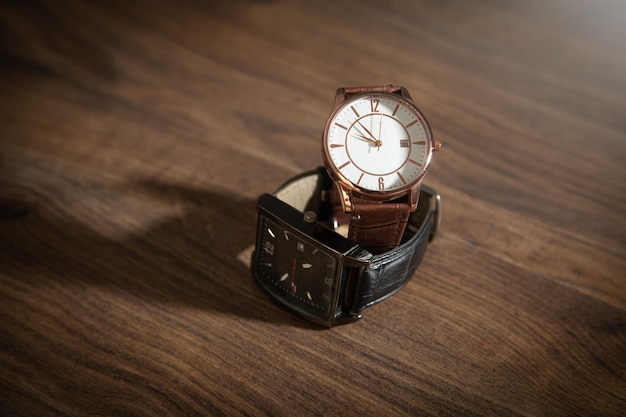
(296, 271)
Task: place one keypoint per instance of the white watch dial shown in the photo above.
(379, 142)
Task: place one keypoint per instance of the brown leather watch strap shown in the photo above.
(378, 226)
(376, 89)
(375, 225)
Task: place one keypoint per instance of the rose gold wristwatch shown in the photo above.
(377, 146)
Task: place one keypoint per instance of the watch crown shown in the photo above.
(437, 146)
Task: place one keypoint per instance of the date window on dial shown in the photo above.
(404, 143)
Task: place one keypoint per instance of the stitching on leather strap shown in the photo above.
(398, 225)
(354, 223)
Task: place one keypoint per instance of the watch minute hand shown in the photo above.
(368, 132)
(377, 142)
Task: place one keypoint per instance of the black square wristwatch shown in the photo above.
(312, 270)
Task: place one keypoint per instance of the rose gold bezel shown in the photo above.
(346, 186)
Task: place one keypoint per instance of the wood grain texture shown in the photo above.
(136, 136)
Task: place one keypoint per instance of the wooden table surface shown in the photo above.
(136, 136)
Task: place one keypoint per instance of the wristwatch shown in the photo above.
(309, 268)
(377, 147)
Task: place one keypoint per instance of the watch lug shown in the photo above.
(405, 93)
(344, 196)
(414, 195)
(340, 96)
(359, 260)
(345, 319)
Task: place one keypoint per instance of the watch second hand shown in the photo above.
(380, 132)
(293, 276)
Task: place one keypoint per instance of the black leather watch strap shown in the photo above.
(388, 272)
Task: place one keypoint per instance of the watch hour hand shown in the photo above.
(376, 143)
(365, 138)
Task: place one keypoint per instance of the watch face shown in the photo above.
(378, 142)
(294, 270)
